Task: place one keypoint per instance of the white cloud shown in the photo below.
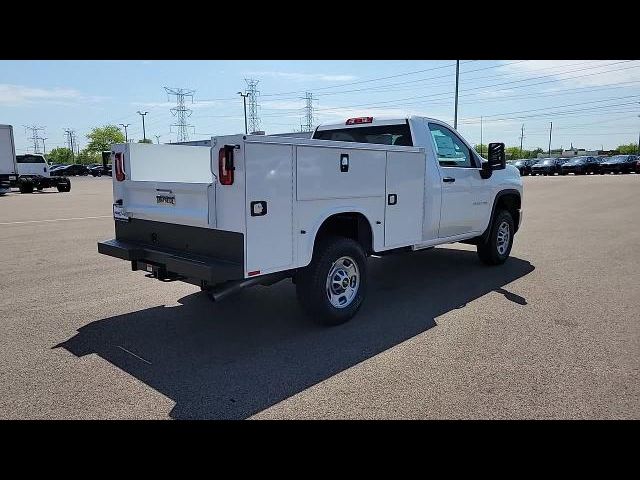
(20, 95)
(300, 77)
(592, 73)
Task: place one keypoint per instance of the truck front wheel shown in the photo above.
(332, 287)
(495, 250)
(64, 187)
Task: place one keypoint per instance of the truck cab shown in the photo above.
(31, 164)
(457, 193)
(254, 209)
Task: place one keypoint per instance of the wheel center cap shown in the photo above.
(345, 283)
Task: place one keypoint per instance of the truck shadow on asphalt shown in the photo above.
(233, 359)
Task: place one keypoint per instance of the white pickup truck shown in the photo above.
(257, 209)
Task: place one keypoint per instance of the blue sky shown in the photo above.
(592, 104)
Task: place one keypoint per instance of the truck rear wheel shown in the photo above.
(26, 187)
(496, 249)
(332, 287)
(64, 187)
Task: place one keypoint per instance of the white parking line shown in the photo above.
(55, 220)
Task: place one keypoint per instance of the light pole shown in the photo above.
(157, 138)
(244, 102)
(126, 137)
(144, 133)
(638, 149)
(44, 146)
(550, 129)
(481, 136)
(455, 115)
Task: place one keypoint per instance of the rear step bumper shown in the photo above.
(166, 264)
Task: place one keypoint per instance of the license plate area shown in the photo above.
(119, 213)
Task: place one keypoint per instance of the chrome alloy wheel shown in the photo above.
(504, 234)
(343, 282)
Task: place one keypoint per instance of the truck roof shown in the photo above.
(379, 120)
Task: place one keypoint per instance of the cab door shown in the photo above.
(464, 193)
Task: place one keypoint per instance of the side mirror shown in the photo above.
(496, 156)
(497, 160)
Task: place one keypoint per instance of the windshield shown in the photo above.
(577, 161)
(548, 162)
(618, 159)
(30, 159)
(398, 134)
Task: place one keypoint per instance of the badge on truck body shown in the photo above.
(166, 199)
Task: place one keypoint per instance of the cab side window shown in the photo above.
(451, 151)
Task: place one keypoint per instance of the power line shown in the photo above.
(181, 112)
(487, 86)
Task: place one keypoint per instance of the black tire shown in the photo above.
(26, 187)
(488, 251)
(311, 282)
(64, 187)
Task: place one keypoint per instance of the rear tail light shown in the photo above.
(359, 120)
(225, 165)
(119, 167)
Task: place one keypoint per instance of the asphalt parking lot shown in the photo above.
(553, 333)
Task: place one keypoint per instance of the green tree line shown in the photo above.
(100, 139)
(514, 153)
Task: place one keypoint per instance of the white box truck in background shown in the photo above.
(27, 172)
(8, 169)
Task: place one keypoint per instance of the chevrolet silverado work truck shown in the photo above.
(255, 209)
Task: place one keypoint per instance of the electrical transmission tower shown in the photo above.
(181, 112)
(307, 126)
(35, 136)
(252, 113)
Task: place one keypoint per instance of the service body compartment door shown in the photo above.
(269, 206)
(329, 173)
(404, 198)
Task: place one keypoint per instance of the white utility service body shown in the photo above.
(190, 213)
(8, 169)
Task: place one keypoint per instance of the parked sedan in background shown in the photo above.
(580, 166)
(100, 170)
(547, 166)
(71, 170)
(524, 165)
(619, 164)
(52, 168)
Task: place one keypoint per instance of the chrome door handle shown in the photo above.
(448, 179)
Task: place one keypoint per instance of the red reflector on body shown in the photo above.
(359, 120)
(119, 167)
(225, 165)
(255, 272)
